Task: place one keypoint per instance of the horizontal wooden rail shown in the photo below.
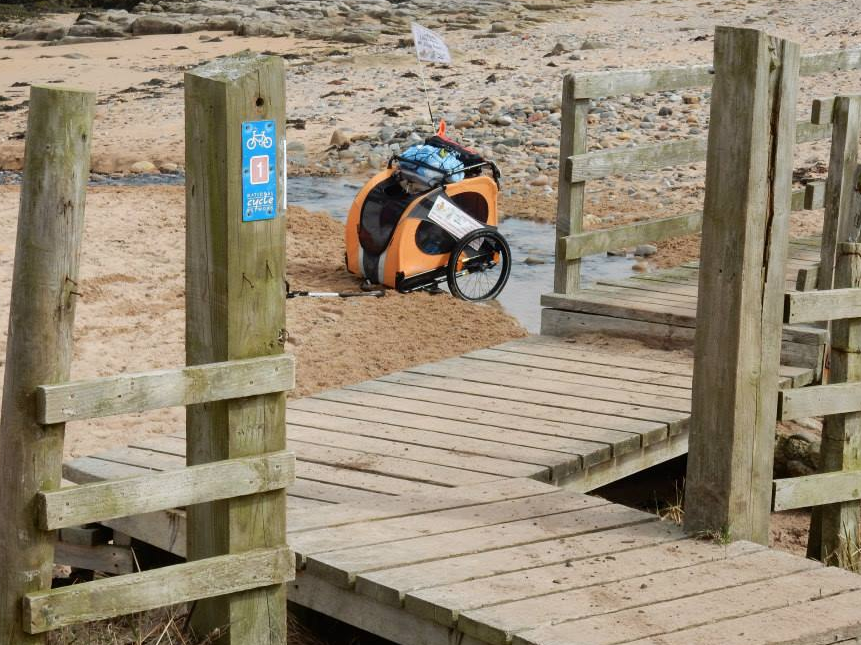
(102, 397)
(591, 85)
(604, 163)
(583, 244)
(816, 490)
(601, 240)
(137, 592)
(108, 500)
(820, 400)
(813, 306)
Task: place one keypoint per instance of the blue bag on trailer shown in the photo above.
(431, 165)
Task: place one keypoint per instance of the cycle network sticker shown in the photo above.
(259, 171)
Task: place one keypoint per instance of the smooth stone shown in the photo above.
(339, 138)
(143, 167)
(646, 250)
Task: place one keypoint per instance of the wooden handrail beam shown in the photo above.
(604, 163)
(819, 400)
(813, 306)
(101, 397)
(599, 241)
(108, 500)
(187, 582)
(816, 490)
(591, 85)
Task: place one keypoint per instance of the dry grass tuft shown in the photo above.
(674, 511)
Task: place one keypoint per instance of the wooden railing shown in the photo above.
(577, 166)
(219, 480)
(836, 489)
(238, 469)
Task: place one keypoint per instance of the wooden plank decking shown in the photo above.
(557, 568)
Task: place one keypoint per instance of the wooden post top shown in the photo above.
(232, 68)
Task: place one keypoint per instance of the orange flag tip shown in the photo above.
(441, 129)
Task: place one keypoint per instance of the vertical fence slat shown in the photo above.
(835, 526)
(741, 278)
(235, 308)
(571, 196)
(39, 349)
(842, 203)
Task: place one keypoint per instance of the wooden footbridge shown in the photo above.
(445, 504)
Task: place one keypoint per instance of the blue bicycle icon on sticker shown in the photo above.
(258, 138)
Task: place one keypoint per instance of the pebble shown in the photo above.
(540, 180)
(646, 250)
(641, 266)
(141, 167)
(339, 138)
(532, 260)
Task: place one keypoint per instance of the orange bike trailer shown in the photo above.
(430, 218)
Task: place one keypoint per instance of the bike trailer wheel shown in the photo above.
(479, 265)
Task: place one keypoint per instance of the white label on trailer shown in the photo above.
(454, 220)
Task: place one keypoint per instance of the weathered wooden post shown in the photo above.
(235, 308)
(741, 278)
(39, 349)
(569, 209)
(842, 221)
(834, 527)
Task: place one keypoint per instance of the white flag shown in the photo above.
(429, 46)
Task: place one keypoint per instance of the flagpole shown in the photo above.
(427, 94)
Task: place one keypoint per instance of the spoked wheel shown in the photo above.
(479, 265)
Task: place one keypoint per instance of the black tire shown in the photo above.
(476, 274)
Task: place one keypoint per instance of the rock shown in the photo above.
(665, 111)
(641, 266)
(558, 50)
(359, 37)
(267, 29)
(96, 31)
(503, 120)
(646, 250)
(499, 28)
(593, 44)
(617, 253)
(169, 168)
(690, 99)
(339, 138)
(47, 30)
(143, 167)
(540, 180)
(149, 25)
(796, 468)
